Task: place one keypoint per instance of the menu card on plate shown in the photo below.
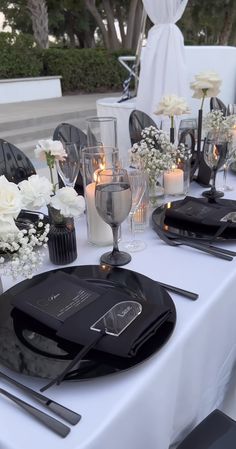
(54, 299)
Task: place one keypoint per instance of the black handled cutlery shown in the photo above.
(50, 422)
(62, 411)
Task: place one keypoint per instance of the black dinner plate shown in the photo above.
(28, 347)
(190, 232)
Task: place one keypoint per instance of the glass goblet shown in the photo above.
(138, 184)
(68, 168)
(113, 200)
(215, 154)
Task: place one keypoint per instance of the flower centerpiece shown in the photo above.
(206, 84)
(157, 155)
(18, 242)
(64, 206)
(172, 105)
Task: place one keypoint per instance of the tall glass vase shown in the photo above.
(61, 238)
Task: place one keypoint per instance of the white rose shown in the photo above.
(206, 81)
(7, 226)
(53, 147)
(68, 202)
(10, 198)
(172, 105)
(36, 192)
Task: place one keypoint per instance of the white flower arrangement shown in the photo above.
(172, 105)
(50, 150)
(156, 153)
(17, 246)
(206, 84)
(18, 250)
(215, 121)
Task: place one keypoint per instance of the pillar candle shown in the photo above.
(99, 232)
(174, 182)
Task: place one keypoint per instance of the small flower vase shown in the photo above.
(156, 189)
(61, 238)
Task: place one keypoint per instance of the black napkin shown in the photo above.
(199, 215)
(71, 306)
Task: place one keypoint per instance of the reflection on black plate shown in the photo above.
(199, 225)
(32, 348)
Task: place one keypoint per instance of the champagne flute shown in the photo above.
(215, 154)
(113, 200)
(138, 184)
(68, 168)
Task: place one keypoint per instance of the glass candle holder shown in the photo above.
(94, 159)
(102, 131)
(177, 180)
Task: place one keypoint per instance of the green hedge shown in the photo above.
(85, 70)
(19, 57)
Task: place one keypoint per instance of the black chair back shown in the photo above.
(138, 120)
(216, 431)
(65, 132)
(14, 164)
(217, 104)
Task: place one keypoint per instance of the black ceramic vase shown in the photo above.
(61, 239)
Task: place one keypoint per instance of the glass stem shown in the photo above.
(213, 188)
(225, 174)
(115, 230)
(132, 226)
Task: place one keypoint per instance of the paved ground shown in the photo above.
(24, 124)
(43, 108)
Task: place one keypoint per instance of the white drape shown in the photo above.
(163, 69)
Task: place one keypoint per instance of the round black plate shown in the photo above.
(31, 348)
(158, 221)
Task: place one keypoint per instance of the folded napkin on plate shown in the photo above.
(197, 214)
(76, 309)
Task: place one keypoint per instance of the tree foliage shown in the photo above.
(212, 22)
(115, 24)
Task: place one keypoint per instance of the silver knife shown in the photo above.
(60, 410)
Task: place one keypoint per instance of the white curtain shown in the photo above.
(163, 68)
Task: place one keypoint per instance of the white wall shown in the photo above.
(28, 89)
(221, 59)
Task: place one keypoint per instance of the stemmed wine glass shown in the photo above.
(68, 168)
(138, 183)
(113, 200)
(215, 155)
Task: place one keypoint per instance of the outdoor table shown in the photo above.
(159, 401)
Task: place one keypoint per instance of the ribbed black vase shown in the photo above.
(61, 239)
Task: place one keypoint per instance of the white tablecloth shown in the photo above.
(159, 401)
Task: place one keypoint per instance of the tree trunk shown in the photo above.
(131, 23)
(109, 10)
(39, 16)
(137, 24)
(120, 19)
(228, 22)
(98, 18)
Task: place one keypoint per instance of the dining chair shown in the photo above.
(138, 120)
(217, 104)
(14, 164)
(216, 431)
(65, 132)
